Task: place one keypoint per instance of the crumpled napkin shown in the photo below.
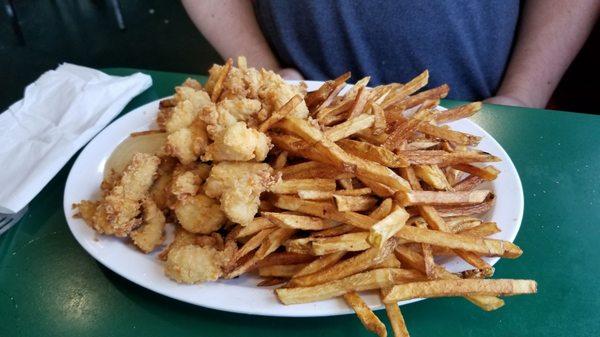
(59, 113)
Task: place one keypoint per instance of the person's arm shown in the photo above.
(550, 35)
(231, 27)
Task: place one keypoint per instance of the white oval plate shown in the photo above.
(242, 295)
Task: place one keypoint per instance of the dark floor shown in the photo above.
(160, 36)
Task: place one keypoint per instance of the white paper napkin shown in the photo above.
(60, 112)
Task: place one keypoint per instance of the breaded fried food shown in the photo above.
(238, 185)
(188, 143)
(118, 211)
(193, 263)
(158, 191)
(151, 233)
(86, 210)
(181, 238)
(199, 214)
(229, 111)
(189, 104)
(237, 142)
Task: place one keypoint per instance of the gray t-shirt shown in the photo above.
(465, 43)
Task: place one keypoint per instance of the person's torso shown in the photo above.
(464, 43)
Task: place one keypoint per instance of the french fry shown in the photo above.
(457, 113)
(461, 223)
(350, 242)
(335, 231)
(273, 241)
(359, 103)
(350, 127)
(353, 265)
(482, 246)
(433, 176)
(382, 210)
(486, 173)
(449, 135)
(441, 197)
(373, 279)
(286, 271)
(443, 158)
(332, 95)
(368, 319)
(255, 226)
(387, 227)
(468, 184)
(303, 222)
(218, 88)
(292, 186)
(340, 159)
(347, 183)
(253, 243)
(482, 230)
(281, 160)
(348, 203)
(406, 128)
(465, 287)
(284, 258)
(313, 169)
(324, 195)
(415, 260)
(389, 262)
(380, 123)
(317, 97)
(298, 246)
(431, 94)
(319, 264)
(372, 152)
(279, 114)
(395, 317)
(378, 189)
(409, 88)
(464, 210)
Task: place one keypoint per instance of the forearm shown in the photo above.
(550, 35)
(231, 27)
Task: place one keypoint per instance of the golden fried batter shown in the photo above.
(151, 233)
(193, 264)
(199, 214)
(239, 185)
(237, 142)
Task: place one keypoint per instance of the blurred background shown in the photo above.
(37, 35)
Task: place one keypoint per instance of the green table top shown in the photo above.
(49, 286)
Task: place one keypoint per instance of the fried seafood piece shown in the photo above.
(188, 143)
(196, 264)
(228, 112)
(237, 142)
(158, 191)
(189, 104)
(199, 214)
(238, 186)
(181, 238)
(86, 210)
(274, 92)
(117, 213)
(151, 233)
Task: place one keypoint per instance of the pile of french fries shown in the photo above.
(372, 188)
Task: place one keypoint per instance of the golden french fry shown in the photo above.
(468, 184)
(395, 316)
(281, 160)
(286, 270)
(284, 258)
(449, 135)
(317, 97)
(373, 279)
(415, 260)
(486, 173)
(442, 158)
(482, 230)
(350, 242)
(218, 88)
(378, 189)
(389, 262)
(319, 264)
(445, 210)
(372, 152)
(350, 127)
(406, 129)
(379, 124)
(465, 287)
(433, 176)
(313, 169)
(273, 241)
(353, 265)
(387, 227)
(253, 243)
(271, 281)
(368, 319)
(279, 114)
(482, 246)
(294, 221)
(347, 183)
(382, 210)
(292, 186)
(408, 89)
(441, 197)
(431, 94)
(359, 103)
(255, 226)
(323, 195)
(460, 223)
(335, 231)
(349, 203)
(457, 113)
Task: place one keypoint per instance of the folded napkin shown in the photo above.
(60, 112)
